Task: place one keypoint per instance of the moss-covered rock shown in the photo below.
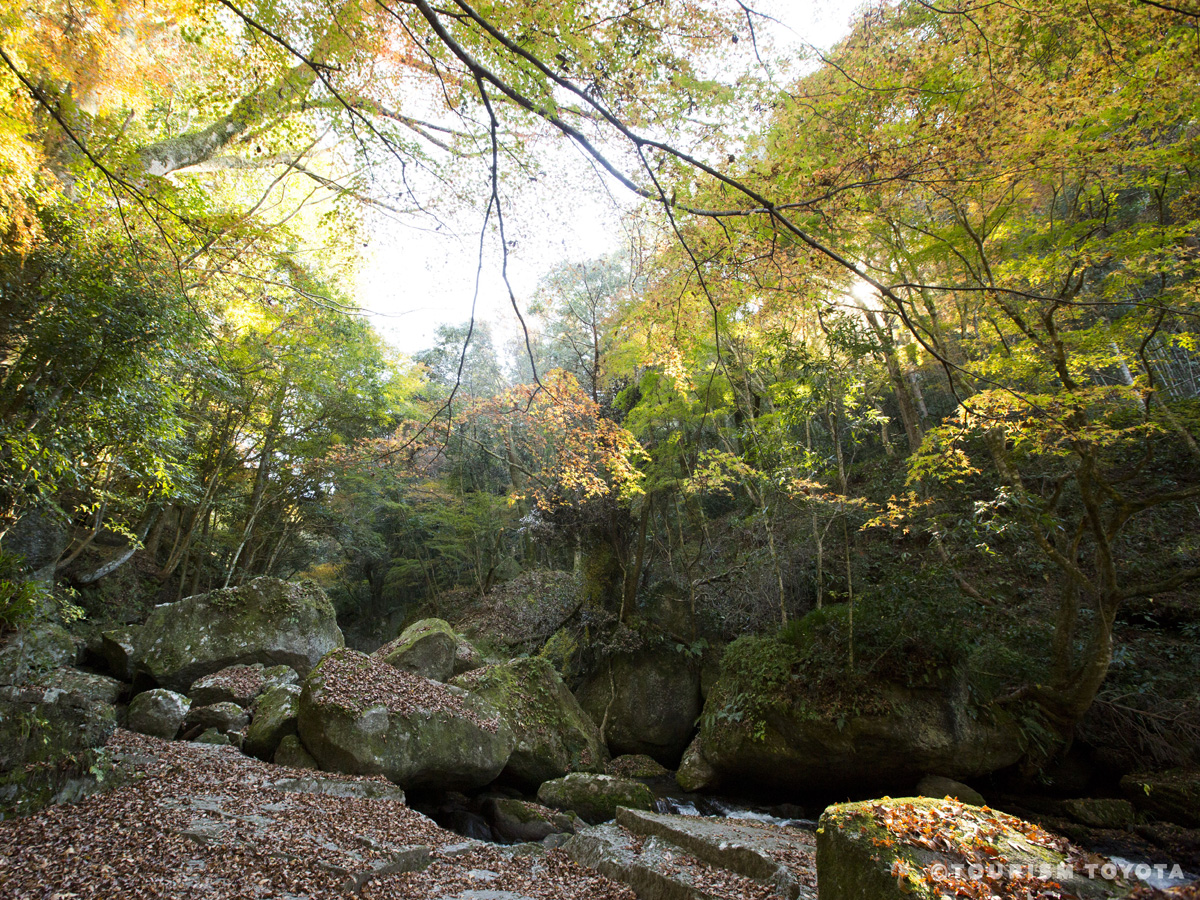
(427, 648)
(275, 715)
(292, 753)
(695, 772)
(466, 657)
(265, 621)
(553, 734)
(1100, 812)
(362, 716)
(240, 684)
(918, 847)
(224, 717)
(646, 702)
(773, 732)
(49, 736)
(158, 713)
(1173, 795)
(519, 821)
(213, 736)
(595, 798)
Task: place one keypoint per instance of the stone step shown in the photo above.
(765, 853)
(657, 869)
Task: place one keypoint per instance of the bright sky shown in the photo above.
(414, 280)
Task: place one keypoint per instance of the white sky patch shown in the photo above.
(414, 279)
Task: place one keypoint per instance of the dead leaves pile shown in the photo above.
(140, 839)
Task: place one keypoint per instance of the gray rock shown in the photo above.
(274, 718)
(224, 717)
(655, 869)
(31, 652)
(213, 736)
(360, 715)
(158, 713)
(118, 649)
(937, 787)
(1100, 812)
(466, 657)
(739, 847)
(292, 753)
(921, 731)
(1173, 795)
(595, 798)
(265, 621)
(340, 787)
(650, 701)
(554, 735)
(427, 648)
(519, 821)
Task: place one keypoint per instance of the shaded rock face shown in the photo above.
(118, 650)
(799, 750)
(159, 713)
(362, 716)
(553, 734)
(907, 848)
(519, 821)
(427, 648)
(40, 537)
(27, 654)
(58, 717)
(1173, 795)
(265, 621)
(292, 753)
(274, 718)
(224, 717)
(646, 702)
(466, 657)
(595, 798)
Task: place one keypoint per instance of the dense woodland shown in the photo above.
(894, 377)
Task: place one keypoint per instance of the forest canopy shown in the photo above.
(905, 329)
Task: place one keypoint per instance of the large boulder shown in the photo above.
(159, 713)
(32, 652)
(647, 702)
(554, 735)
(274, 718)
(291, 752)
(519, 821)
(786, 741)
(39, 537)
(1173, 795)
(427, 648)
(48, 732)
(264, 621)
(118, 649)
(595, 798)
(362, 716)
(919, 848)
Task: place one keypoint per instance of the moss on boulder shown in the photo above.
(159, 713)
(553, 734)
(265, 621)
(919, 847)
(362, 716)
(274, 717)
(292, 753)
(1173, 795)
(647, 701)
(775, 731)
(634, 765)
(595, 798)
(427, 648)
(519, 821)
